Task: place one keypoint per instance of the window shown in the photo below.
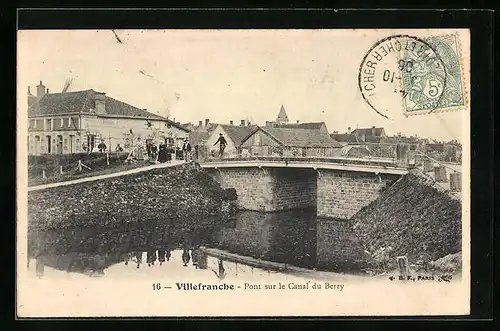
(31, 124)
(48, 125)
(34, 124)
(62, 122)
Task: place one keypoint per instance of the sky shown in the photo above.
(223, 75)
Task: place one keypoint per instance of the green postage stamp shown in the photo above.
(434, 84)
(413, 75)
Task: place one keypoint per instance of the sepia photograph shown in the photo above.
(243, 172)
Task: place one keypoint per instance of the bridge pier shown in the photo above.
(341, 194)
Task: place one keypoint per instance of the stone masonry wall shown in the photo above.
(270, 189)
(253, 186)
(341, 194)
(294, 188)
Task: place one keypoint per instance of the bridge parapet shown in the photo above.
(372, 165)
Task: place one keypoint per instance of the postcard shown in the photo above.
(193, 173)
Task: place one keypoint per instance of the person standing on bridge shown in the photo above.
(186, 149)
(222, 144)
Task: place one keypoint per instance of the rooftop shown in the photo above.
(310, 125)
(238, 133)
(84, 102)
(298, 137)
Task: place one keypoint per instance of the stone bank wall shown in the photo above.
(341, 194)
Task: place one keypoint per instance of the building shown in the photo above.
(321, 126)
(282, 116)
(354, 151)
(72, 122)
(287, 142)
(282, 121)
(369, 135)
(345, 138)
(233, 134)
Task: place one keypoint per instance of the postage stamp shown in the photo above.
(153, 181)
(411, 75)
(430, 88)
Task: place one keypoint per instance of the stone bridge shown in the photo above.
(337, 187)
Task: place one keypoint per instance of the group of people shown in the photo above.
(163, 153)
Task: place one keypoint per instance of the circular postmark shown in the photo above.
(402, 73)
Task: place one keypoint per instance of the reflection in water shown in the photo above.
(287, 237)
(185, 257)
(293, 237)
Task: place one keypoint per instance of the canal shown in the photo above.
(296, 238)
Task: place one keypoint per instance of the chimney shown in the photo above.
(373, 130)
(29, 90)
(349, 130)
(297, 121)
(207, 121)
(242, 123)
(100, 102)
(40, 90)
(200, 123)
(231, 122)
(47, 90)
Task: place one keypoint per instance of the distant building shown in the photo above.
(72, 122)
(203, 126)
(233, 135)
(272, 141)
(282, 116)
(188, 126)
(321, 126)
(369, 135)
(345, 138)
(355, 151)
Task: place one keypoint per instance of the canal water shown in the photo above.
(295, 238)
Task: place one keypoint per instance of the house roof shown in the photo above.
(344, 137)
(368, 131)
(83, 102)
(238, 133)
(310, 125)
(396, 139)
(198, 137)
(298, 137)
(353, 150)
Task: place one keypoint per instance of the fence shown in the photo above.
(40, 166)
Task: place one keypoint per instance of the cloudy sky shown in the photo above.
(223, 75)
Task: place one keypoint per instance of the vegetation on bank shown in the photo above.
(183, 193)
(410, 218)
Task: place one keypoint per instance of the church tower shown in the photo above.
(282, 116)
